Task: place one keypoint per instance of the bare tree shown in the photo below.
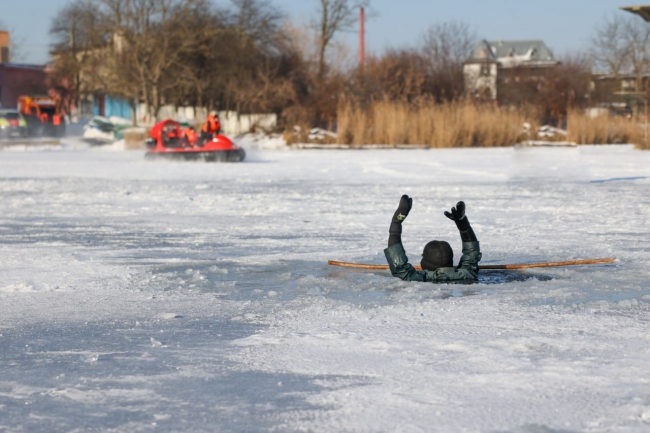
(609, 48)
(149, 37)
(237, 60)
(397, 75)
(447, 46)
(259, 21)
(201, 65)
(77, 35)
(182, 52)
(636, 38)
(565, 87)
(334, 16)
(449, 43)
(260, 47)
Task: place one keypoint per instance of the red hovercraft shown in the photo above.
(168, 141)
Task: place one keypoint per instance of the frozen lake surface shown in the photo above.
(143, 296)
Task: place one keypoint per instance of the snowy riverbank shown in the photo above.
(142, 296)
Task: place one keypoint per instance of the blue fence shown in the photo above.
(112, 106)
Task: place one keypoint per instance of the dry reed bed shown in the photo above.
(465, 124)
(456, 124)
(604, 129)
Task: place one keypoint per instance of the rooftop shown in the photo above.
(22, 66)
(514, 53)
(642, 11)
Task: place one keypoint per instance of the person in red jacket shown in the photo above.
(211, 127)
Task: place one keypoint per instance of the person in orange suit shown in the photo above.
(190, 136)
(210, 128)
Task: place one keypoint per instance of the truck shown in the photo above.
(43, 115)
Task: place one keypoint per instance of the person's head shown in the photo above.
(437, 254)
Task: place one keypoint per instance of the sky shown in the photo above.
(565, 25)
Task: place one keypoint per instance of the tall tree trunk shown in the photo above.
(323, 38)
(155, 96)
(321, 60)
(134, 111)
(147, 103)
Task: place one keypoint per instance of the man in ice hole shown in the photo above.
(437, 258)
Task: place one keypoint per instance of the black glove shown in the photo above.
(457, 215)
(405, 205)
(400, 215)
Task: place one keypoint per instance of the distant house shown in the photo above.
(623, 93)
(507, 71)
(92, 98)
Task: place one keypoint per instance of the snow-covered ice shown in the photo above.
(139, 296)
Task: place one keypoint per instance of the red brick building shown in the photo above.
(16, 80)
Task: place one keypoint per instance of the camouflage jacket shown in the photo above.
(467, 269)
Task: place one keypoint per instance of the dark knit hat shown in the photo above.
(437, 254)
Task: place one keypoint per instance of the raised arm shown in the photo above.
(395, 254)
(468, 265)
(458, 216)
(395, 231)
